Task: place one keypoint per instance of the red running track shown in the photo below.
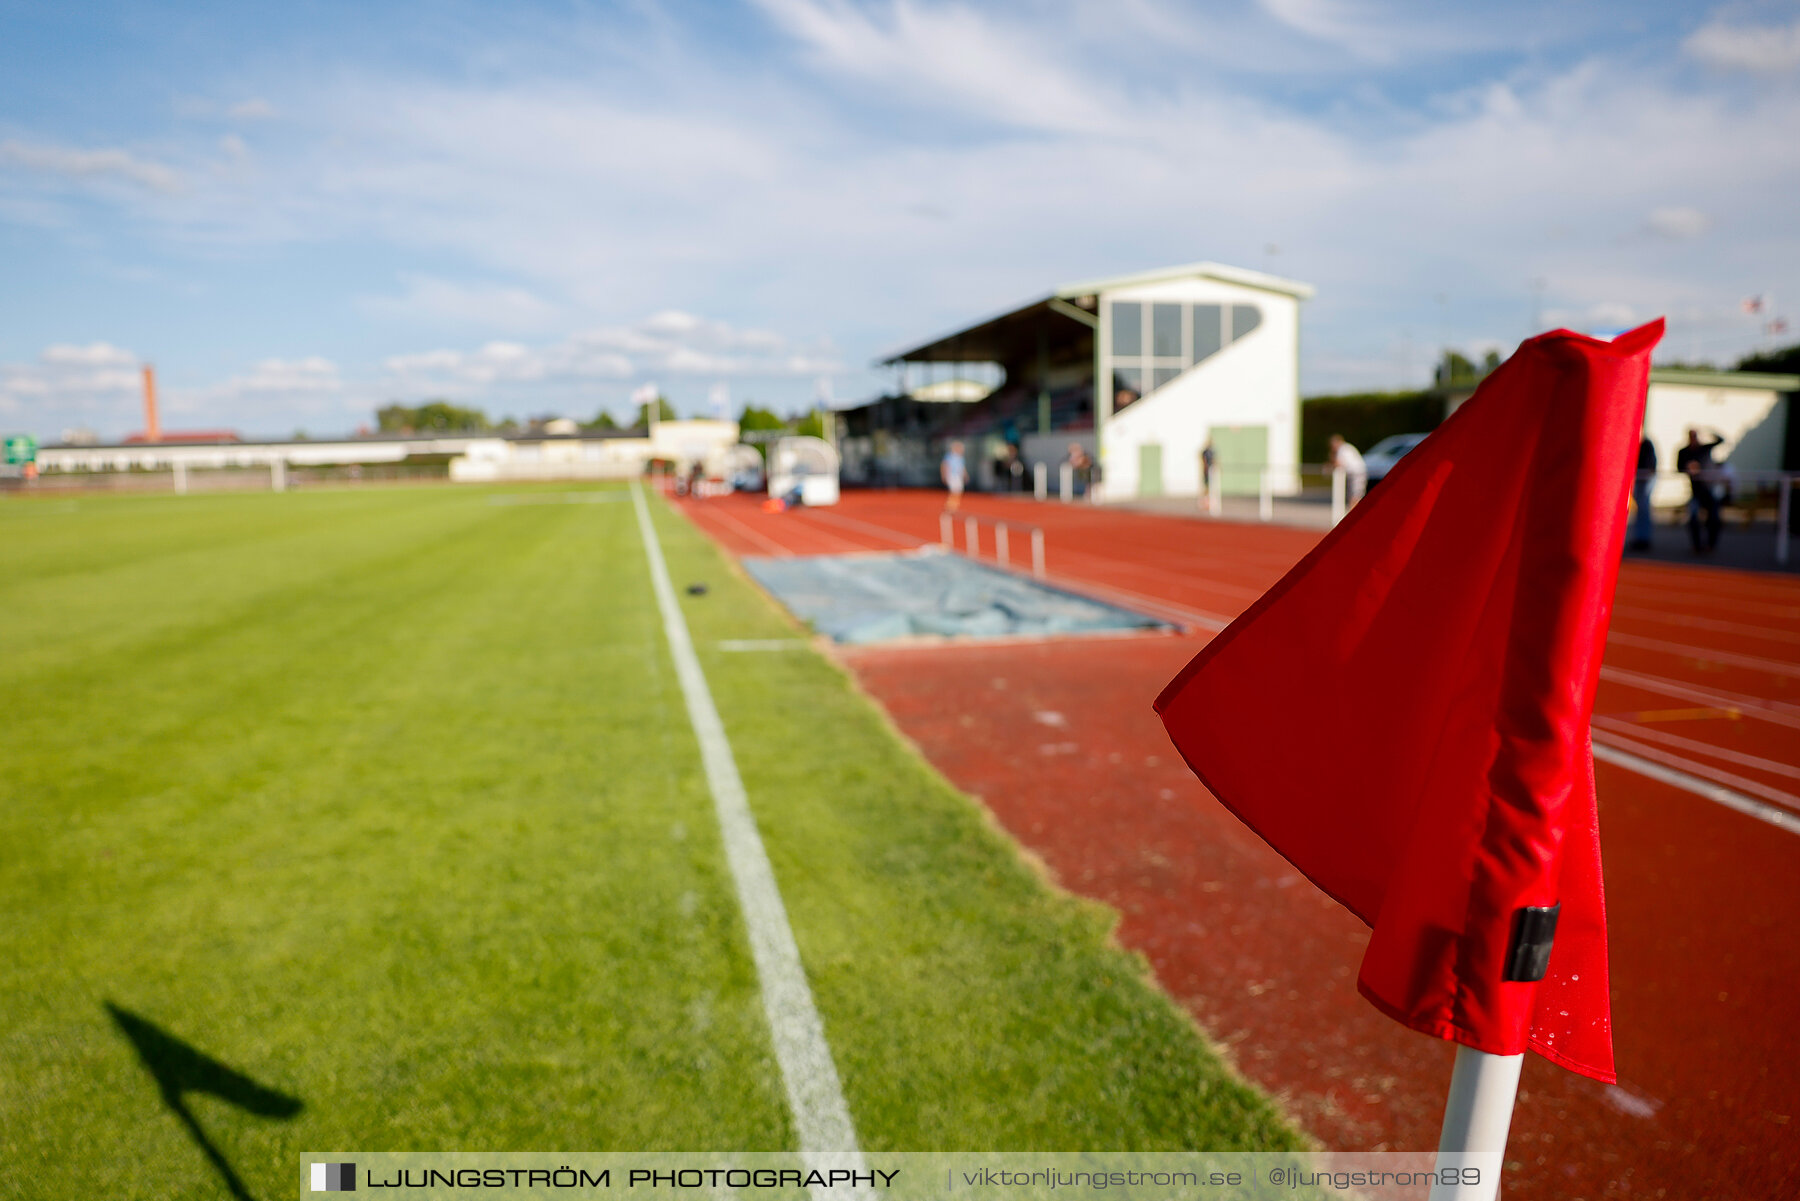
(1058, 739)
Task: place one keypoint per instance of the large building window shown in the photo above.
(1165, 322)
(1209, 330)
(1128, 330)
(1178, 336)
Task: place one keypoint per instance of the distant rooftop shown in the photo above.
(1005, 335)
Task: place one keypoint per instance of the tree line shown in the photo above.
(443, 417)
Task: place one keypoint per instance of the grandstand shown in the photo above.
(1188, 353)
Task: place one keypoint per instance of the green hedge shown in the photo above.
(1365, 419)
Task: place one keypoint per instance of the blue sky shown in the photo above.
(299, 212)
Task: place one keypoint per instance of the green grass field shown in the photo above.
(373, 820)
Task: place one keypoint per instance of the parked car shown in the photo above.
(1381, 457)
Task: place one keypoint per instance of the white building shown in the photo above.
(1186, 354)
(615, 456)
(554, 454)
(1750, 412)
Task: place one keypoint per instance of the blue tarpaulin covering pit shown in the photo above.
(881, 597)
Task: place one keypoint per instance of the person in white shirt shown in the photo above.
(954, 471)
(1346, 458)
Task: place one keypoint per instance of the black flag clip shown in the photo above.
(1534, 929)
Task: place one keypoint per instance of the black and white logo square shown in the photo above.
(334, 1178)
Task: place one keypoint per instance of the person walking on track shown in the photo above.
(955, 473)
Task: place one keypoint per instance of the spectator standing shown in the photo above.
(1695, 460)
(1081, 467)
(1008, 470)
(954, 471)
(1641, 526)
(1346, 458)
(1209, 458)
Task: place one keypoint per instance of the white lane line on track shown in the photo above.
(1659, 617)
(852, 523)
(1631, 729)
(1778, 712)
(1753, 662)
(1149, 604)
(779, 550)
(1191, 580)
(1749, 806)
(821, 1118)
(1630, 592)
(1705, 771)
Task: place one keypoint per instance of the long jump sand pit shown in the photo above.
(885, 596)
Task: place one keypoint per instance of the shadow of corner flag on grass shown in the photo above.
(179, 1069)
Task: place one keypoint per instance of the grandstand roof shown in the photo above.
(1069, 311)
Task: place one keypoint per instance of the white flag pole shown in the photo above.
(1477, 1116)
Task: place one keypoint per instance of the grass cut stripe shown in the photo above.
(821, 1118)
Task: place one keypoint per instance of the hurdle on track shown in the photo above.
(1002, 539)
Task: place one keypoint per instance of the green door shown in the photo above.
(1243, 451)
(1150, 469)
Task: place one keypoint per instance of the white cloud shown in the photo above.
(1375, 33)
(1328, 20)
(436, 300)
(94, 354)
(103, 385)
(1763, 49)
(670, 343)
(271, 393)
(1678, 222)
(253, 109)
(948, 55)
(66, 381)
(1612, 314)
(107, 163)
(311, 375)
(472, 372)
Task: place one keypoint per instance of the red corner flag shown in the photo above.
(1405, 715)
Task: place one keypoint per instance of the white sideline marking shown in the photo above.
(1749, 806)
(761, 644)
(821, 1118)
